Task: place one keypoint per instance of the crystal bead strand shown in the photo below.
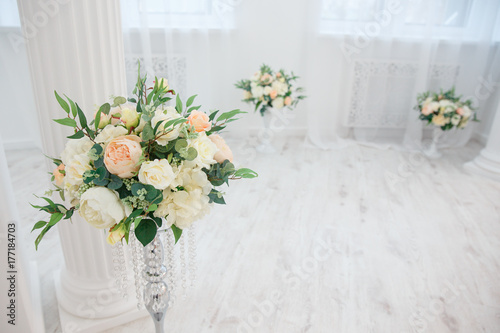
(182, 249)
(192, 254)
(137, 261)
(123, 281)
(115, 253)
(171, 266)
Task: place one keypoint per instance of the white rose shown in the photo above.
(267, 90)
(158, 173)
(101, 207)
(166, 115)
(257, 91)
(206, 150)
(256, 76)
(455, 119)
(278, 103)
(75, 169)
(109, 133)
(75, 147)
(467, 111)
(191, 178)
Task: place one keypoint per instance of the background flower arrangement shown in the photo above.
(141, 163)
(445, 110)
(267, 88)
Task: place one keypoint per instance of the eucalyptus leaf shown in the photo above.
(146, 231)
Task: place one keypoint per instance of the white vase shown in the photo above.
(432, 150)
(266, 134)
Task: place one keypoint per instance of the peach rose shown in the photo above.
(288, 100)
(460, 111)
(273, 94)
(224, 152)
(122, 156)
(427, 110)
(266, 78)
(58, 175)
(278, 75)
(200, 121)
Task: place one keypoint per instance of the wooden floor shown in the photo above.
(354, 240)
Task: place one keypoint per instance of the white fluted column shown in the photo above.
(487, 163)
(76, 48)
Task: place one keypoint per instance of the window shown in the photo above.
(9, 16)
(178, 14)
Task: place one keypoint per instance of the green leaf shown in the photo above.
(245, 173)
(136, 187)
(38, 225)
(56, 217)
(81, 117)
(148, 132)
(97, 120)
(190, 100)
(212, 115)
(152, 207)
(193, 108)
(180, 145)
(191, 154)
(69, 213)
(216, 196)
(146, 231)
(119, 100)
(66, 122)
(77, 135)
(116, 182)
(74, 112)
(229, 114)
(177, 232)
(62, 102)
(178, 104)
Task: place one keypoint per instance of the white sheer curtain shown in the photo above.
(362, 62)
(383, 53)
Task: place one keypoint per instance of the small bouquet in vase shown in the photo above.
(445, 110)
(269, 89)
(141, 164)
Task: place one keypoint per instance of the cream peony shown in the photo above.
(104, 120)
(247, 94)
(158, 173)
(109, 133)
(266, 78)
(75, 147)
(200, 121)
(122, 156)
(182, 208)
(75, 169)
(278, 103)
(267, 90)
(280, 87)
(256, 76)
(206, 150)
(440, 120)
(224, 152)
(167, 114)
(101, 207)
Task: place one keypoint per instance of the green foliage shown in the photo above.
(177, 232)
(146, 231)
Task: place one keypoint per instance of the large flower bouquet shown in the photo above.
(267, 88)
(445, 110)
(141, 164)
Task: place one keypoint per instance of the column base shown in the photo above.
(485, 164)
(71, 323)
